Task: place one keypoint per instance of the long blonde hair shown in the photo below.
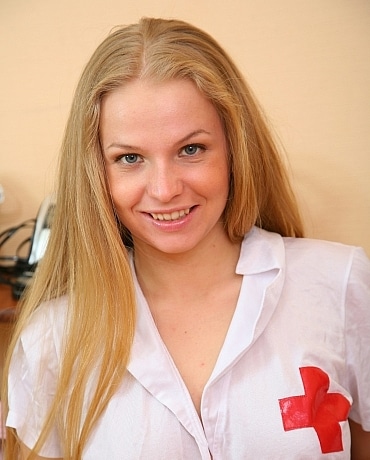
(86, 258)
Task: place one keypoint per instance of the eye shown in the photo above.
(130, 158)
(192, 149)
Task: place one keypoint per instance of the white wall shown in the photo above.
(307, 60)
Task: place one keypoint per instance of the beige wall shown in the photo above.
(307, 60)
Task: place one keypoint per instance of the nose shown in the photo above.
(164, 181)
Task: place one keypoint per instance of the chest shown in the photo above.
(194, 336)
(194, 346)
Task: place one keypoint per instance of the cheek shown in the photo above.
(123, 195)
(220, 180)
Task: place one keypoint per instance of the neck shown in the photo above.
(195, 271)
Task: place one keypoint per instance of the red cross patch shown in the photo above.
(317, 409)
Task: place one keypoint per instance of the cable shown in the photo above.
(13, 268)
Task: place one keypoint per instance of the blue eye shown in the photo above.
(130, 158)
(191, 149)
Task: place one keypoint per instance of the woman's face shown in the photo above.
(166, 161)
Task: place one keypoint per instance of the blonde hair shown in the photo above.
(86, 258)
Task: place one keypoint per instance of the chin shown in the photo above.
(167, 247)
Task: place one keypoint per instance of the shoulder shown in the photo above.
(44, 331)
(308, 262)
(304, 252)
(330, 260)
(315, 248)
(50, 313)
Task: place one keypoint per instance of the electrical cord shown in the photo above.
(15, 270)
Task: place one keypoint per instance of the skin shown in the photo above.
(360, 442)
(165, 153)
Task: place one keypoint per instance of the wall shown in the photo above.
(307, 60)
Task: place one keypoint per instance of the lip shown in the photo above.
(171, 225)
(170, 216)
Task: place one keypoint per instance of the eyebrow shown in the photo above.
(180, 141)
(193, 134)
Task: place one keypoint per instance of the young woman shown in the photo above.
(178, 313)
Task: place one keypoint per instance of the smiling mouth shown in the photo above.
(170, 216)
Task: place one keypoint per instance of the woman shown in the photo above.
(177, 313)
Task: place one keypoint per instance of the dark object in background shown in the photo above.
(18, 271)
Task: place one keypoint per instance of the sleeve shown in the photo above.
(32, 382)
(357, 336)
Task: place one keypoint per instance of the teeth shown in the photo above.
(170, 216)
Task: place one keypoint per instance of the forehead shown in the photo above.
(155, 94)
(145, 106)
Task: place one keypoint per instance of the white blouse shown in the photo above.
(293, 367)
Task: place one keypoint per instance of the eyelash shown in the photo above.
(197, 146)
(123, 158)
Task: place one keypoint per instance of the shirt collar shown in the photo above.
(261, 251)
